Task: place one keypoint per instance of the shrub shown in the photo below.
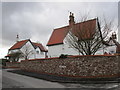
(63, 56)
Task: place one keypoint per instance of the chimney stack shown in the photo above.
(114, 36)
(17, 38)
(71, 19)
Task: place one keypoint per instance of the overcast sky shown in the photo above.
(36, 20)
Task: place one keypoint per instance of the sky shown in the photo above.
(36, 20)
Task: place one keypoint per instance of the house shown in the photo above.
(26, 49)
(110, 46)
(58, 43)
(116, 43)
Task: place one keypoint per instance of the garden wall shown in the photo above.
(13, 64)
(77, 66)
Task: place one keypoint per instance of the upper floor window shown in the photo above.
(37, 52)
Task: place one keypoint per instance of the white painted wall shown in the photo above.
(39, 54)
(119, 35)
(36, 53)
(57, 50)
(109, 50)
(28, 46)
(68, 49)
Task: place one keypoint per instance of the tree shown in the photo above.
(3, 61)
(14, 57)
(86, 39)
(27, 51)
(24, 52)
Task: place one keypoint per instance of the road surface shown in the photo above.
(13, 80)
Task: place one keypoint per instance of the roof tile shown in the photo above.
(42, 48)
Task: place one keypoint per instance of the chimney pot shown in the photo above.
(71, 19)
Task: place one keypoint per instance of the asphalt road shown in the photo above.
(13, 80)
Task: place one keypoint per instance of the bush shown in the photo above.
(63, 56)
(4, 61)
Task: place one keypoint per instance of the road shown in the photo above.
(13, 80)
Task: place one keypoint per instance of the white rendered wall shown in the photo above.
(69, 50)
(28, 46)
(40, 54)
(57, 50)
(34, 54)
(109, 50)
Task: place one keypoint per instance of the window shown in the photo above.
(69, 46)
(112, 52)
(42, 53)
(37, 52)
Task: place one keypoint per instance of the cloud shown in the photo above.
(36, 20)
(0, 19)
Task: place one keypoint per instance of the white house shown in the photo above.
(28, 50)
(58, 44)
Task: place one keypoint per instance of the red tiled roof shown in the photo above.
(85, 30)
(59, 34)
(42, 48)
(18, 45)
(8, 55)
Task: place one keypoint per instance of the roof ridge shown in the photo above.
(86, 21)
(62, 27)
(19, 44)
(36, 42)
(24, 40)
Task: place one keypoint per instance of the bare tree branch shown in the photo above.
(27, 51)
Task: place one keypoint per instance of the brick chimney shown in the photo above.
(71, 19)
